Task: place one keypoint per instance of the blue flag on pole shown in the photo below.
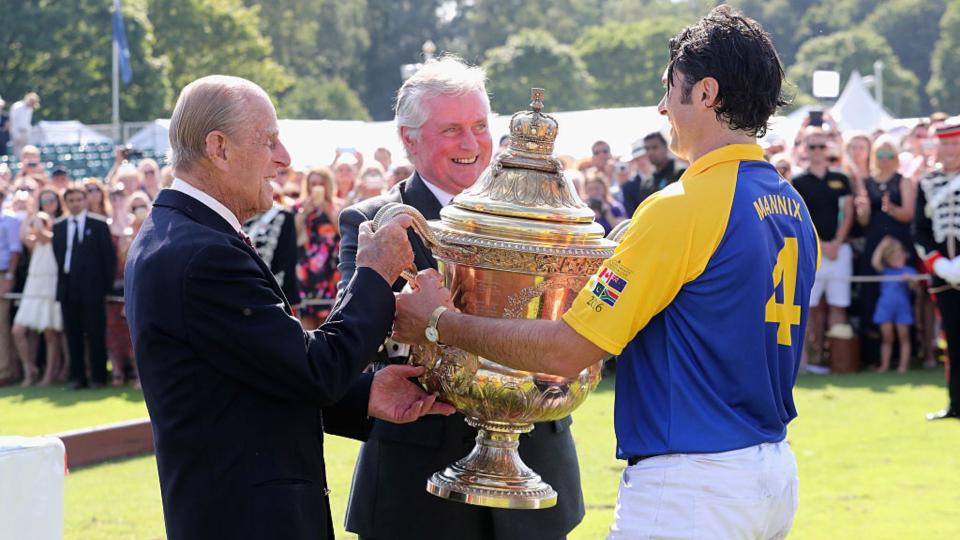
(120, 38)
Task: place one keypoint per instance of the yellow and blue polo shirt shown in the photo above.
(705, 301)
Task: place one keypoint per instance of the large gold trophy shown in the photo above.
(518, 244)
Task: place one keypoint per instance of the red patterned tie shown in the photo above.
(246, 239)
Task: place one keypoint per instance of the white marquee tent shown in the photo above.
(855, 109)
(313, 142)
(65, 132)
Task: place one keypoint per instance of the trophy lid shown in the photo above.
(523, 195)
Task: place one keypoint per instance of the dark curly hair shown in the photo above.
(737, 52)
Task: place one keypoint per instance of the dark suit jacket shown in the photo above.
(238, 393)
(630, 192)
(94, 261)
(388, 499)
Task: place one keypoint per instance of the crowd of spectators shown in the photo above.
(860, 189)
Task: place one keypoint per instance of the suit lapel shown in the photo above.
(418, 195)
(205, 215)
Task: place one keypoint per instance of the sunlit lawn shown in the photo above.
(870, 466)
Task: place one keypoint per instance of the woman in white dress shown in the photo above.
(39, 310)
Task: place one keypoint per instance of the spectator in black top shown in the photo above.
(630, 191)
(665, 171)
(665, 167)
(828, 197)
(884, 207)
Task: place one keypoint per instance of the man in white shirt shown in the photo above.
(442, 114)
(239, 393)
(21, 119)
(87, 263)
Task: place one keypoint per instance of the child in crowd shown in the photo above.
(893, 306)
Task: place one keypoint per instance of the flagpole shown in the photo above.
(116, 91)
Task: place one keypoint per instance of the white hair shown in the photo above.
(448, 76)
(212, 103)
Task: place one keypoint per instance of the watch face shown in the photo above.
(432, 335)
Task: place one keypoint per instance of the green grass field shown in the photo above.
(870, 466)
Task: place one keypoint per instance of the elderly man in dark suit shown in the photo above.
(87, 265)
(238, 392)
(442, 119)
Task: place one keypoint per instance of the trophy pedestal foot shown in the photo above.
(493, 474)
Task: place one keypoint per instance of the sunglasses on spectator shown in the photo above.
(92, 189)
(138, 207)
(817, 146)
(599, 151)
(48, 200)
(32, 163)
(151, 172)
(886, 154)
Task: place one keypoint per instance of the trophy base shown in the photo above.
(493, 474)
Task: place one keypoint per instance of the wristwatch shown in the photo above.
(433, 336)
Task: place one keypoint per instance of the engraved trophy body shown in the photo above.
(519, 243)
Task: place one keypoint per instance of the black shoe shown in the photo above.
(79, 385)
(949, 412)
(96, 385)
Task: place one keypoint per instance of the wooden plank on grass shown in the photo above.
(109, 441)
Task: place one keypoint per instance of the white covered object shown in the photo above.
(65, 132)
(31, 488)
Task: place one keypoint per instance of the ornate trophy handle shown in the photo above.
(619, 231)
(391, 210)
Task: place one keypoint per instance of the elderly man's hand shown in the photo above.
(396, 399)
(415, 307)
(388, 250)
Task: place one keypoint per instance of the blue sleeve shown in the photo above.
(13, 229)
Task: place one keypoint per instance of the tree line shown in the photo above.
(340, 59)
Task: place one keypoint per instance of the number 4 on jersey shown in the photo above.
(785, 272)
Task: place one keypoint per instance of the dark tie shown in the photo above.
(76, 233)
(246, 239)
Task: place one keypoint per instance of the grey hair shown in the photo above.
(449, 76)
(212, 103)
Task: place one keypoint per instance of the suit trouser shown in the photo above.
(86, 317)
(949, 304)
(8, 367)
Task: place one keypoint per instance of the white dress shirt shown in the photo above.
(440, 194)
(184, 187)
(73, 222)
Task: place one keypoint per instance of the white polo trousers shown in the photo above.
(746, 494)
(833, 278)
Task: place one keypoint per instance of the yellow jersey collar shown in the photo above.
(730, 152)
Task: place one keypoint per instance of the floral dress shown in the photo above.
(317, 264)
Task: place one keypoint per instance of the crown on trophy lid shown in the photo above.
(533, 132)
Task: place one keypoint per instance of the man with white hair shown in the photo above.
(238, 392)
(442, 114)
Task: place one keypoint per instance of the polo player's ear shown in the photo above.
(709, 92)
